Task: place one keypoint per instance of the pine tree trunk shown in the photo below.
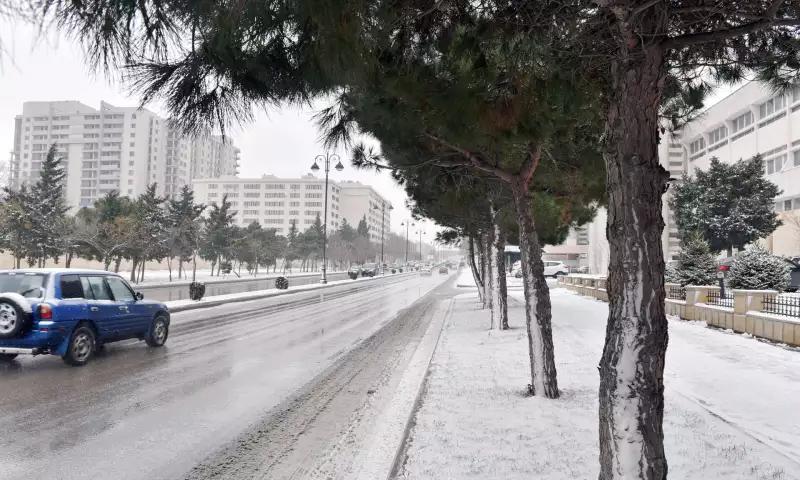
(134, 269)
(107, 263)
(141, 277)
(538, 315)
(68, 259)
(117, 264)
(486, 253)
(501, 299)
(632, 365)
(730, 251)
(474, 267)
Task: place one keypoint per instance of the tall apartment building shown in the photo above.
(112, 148)
(362, 201)
(277, 202)
(752, 120)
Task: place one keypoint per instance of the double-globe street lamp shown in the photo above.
(407, 224)
(315, 168)
(383, 221)
(421, 233)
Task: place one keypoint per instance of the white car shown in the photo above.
(554, 269)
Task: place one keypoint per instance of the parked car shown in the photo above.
(72, 313)
(554, 269)
(516, 269)
(369, 269)
(443, 270)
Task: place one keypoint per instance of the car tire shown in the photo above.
(159, 332)
(7, 357)
(14, 320)
(81, 346)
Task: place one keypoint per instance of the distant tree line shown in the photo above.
(37, 227)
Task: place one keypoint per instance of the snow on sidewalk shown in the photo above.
(730, 411)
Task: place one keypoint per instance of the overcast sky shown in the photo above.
(280, 142)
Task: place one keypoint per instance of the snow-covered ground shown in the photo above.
(731, 402)
(466, 280)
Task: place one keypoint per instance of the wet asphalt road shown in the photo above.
(136, 412)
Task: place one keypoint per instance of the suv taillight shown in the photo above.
(45, 312)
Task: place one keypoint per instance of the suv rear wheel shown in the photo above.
(81, 348)
(13, 319)
(158, 332)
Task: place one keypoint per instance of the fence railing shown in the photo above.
(778, 305)
(714, 298)
(676, 292)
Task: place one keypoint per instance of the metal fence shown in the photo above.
(676, 292)
(788, 306)
(714, 298)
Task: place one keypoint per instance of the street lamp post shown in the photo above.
(315, 168)
(407, 224)
(383, 221)
(420, 244)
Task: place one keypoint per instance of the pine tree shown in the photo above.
(731, 205)
(48, 208)
(219, 230)
(151, 236)
(363, 230)
(183, 217)
(757, 269)
(347, 231)
(696, 264)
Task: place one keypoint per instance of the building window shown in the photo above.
(717, 135)
(294, 212)
(212, 195)
(742, 121)
(772, 105)
(697, 145)
(212, 186)
(252, 186)
(294, 195)
(796, 156)
(252, 204)
(251, 194)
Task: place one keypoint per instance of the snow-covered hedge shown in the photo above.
(758, 269)
(695, 265)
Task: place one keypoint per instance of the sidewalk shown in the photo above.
(731, 402)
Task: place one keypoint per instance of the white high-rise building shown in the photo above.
(112, 148)
(277, 202)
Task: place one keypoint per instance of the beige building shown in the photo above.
(277, 202)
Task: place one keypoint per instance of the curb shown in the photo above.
(217, 281)
(392, 435)
(269, 294)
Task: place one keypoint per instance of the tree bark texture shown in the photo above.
(474, 268)
(479, 241)
(632, 364)
(501, 298)
(487, 273)
(538, 315)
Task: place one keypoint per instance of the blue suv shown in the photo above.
(72, 313)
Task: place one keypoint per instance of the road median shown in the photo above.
(208, 302)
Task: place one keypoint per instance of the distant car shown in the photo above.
(72, 313)
(443, 270)
(555, 269)
(426, 272)
(369, 269)
(516, 269)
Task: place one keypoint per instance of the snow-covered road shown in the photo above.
(731, 402)
(269, 386)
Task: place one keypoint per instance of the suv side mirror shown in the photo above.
(139, 296)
